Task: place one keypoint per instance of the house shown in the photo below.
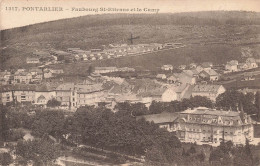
(161, 76)
(173, 79)
(242, 66)
(207, 65)
(165, 120)
(209, 74)
(182, 67)
(22, 77)
(193, 73)
(35, 71)
(167, 67)
(199, 69)
(47, 74)
(160, 94)
(232, 66)
(210, 91)
(56, 71)
(37, 78)
(32, 60)
(251, 63)
(6, 94)
(211, 126)
(187, 78)
(100, 70)
(5, 77)
(193, 66)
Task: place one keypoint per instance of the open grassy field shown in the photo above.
(217, 54)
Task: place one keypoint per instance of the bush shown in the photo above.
(53, 103)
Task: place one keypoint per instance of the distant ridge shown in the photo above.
(225, 28)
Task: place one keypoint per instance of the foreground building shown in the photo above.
(204, 125)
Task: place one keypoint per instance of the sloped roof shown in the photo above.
(18, 87)
(153, 93)
(206, 88)
(211, 72)
(250, 60)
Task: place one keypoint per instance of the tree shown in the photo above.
(201, 156)
(4, 127)
(49, 122)
(192, 149)
(53, 103)
(232, 99)
(39, 151)
(5, 159)
(60, 58)
(257, 103)
(91, 69)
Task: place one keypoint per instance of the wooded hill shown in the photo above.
(86, 32)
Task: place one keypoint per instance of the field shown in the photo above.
(218, 54)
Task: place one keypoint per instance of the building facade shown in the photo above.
(204, 125)
(210, 91)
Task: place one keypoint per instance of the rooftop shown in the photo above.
(208, 111)
(206, 88)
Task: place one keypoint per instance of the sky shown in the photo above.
(16, 13)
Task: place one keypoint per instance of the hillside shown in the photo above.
(202, 32)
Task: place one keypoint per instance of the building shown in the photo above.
(208, 90)
(32, 60)
(162, 94)
(6, 95)
(164, 120)
(207, 65)
(167, 67)
(210, 126)
(44, 93)
(161, 76)
(232, 66)
(251, 63)
(101, 70)
(22, 77)
(75, 95)
(24, 93)
(242, 66)
(209, 74)
(5, 78)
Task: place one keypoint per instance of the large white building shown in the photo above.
(204, 125)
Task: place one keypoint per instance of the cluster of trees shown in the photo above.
(159, 107)
(38, 152)
(5, 159)
(230, 100)
(228, 154)
(235, 101)
(53, 103)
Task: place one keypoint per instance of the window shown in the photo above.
(23, 98)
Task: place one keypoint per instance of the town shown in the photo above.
(78, 106)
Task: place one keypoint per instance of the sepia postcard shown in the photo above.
(131, 83)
